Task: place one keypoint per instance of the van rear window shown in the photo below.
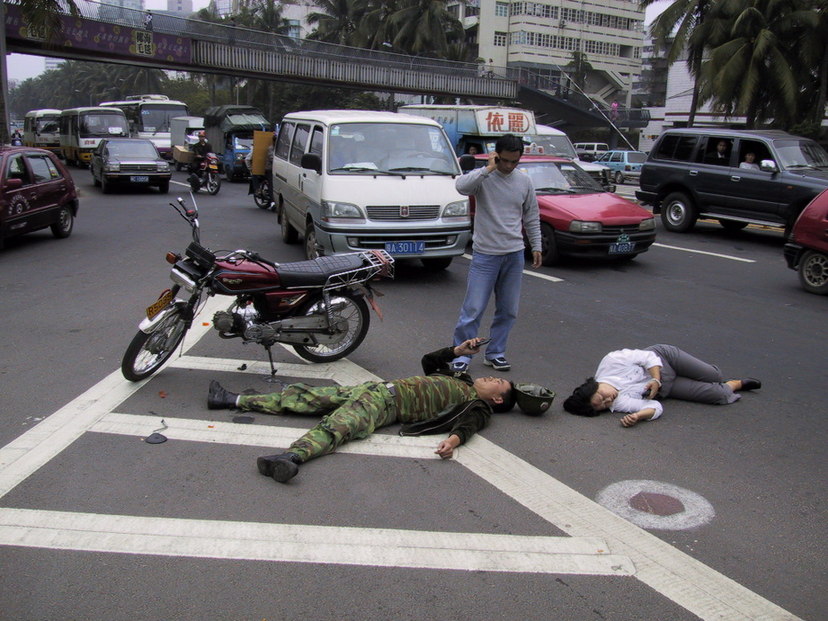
(676, 147)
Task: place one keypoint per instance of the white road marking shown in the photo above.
(711, 254)
(628, 550)
(530, 273)
(254, 541)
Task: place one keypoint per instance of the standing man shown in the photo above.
(505, 206)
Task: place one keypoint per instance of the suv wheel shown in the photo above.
(678, 213)
(813, 272)
(619, 177)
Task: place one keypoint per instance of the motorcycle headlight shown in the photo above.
(457, 209)
(334, 209)
(579, 226)
(647, 225)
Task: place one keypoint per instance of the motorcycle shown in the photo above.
(318, 307)
(261, 195)
(207, 175)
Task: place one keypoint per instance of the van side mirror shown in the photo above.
(14, 184)
(768, 166)
(467, 162)
(313, 162)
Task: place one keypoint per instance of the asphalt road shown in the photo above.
(95, 523)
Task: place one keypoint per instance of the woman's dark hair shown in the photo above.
(509, 399)
(509, 142)
(578, 402)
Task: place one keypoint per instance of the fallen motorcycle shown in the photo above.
(318, 307)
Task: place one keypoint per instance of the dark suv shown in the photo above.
(738, 177)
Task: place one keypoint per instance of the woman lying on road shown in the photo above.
(630, 381)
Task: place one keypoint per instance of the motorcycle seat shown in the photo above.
(316, 272)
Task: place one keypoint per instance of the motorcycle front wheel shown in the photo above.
(350, 317)
(213, 183)
(147, 352)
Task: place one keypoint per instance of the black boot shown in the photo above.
(751, 383)
(220, 399)
(282, 467)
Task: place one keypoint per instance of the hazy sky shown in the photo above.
(22, 66)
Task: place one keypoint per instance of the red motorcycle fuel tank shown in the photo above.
(243, 276)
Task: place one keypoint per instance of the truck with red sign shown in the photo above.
(476, 127)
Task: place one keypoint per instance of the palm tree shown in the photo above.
(813, 48)
(425, 27)
(40, 15)
(338, 20)
(751, 68)
(676, 26)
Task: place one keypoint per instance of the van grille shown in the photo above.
(395, 212)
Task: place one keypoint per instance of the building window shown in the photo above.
(501, 9)
(500, 39)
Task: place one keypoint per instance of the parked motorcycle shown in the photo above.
(207, 175)
(318, 307)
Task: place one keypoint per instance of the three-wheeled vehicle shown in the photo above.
(230, 131)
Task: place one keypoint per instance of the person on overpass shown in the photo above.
(439, 401)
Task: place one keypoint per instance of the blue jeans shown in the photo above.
(489, 273)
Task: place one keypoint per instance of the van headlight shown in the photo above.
(579, 226)
(647, 225)
(334, 209)
(457, 209)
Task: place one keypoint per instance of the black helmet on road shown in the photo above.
(533, 399)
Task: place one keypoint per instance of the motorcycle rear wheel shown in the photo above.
(148, 352)
(350, 312)
(262, 195)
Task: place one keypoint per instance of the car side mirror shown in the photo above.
(14, 184)
(768, 166)
(467, 162)
(313, 162)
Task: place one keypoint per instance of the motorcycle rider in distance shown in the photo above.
(200, 151)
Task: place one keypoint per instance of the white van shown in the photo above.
(350, 180)
(82, 129)
(40, 129)
(551, 141)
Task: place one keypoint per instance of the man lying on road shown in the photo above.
(439, 401)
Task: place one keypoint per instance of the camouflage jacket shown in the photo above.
(461, 419)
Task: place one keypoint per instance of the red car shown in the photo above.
(36, 191)
(807, 248)
(578, 217)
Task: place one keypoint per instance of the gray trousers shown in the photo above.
(686, 377)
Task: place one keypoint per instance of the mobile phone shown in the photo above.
(483, 341)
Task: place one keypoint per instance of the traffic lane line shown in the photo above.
(256, 541)
(529, 272)
(705, 252)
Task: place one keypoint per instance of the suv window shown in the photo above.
(717, 151)
(676, 147)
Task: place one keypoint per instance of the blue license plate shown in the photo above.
(622, 248)
(405, 247)
(139, 179)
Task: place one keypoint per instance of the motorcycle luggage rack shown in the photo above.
(202, 257)
(379, 263)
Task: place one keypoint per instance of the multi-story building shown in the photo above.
(545, 36)
(179, 7)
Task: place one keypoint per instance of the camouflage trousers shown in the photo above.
(349, 413)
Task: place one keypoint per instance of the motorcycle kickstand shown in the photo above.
(270, 357)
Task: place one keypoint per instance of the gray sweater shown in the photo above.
(505, 205)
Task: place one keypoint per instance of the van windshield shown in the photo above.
(389, 148)
(103, 124)
(549, 145)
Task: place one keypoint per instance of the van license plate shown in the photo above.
(139, 179)
(405, 247)
(622, 248)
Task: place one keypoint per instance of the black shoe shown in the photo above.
(220, 399)
(750, 383)
(282, 467)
